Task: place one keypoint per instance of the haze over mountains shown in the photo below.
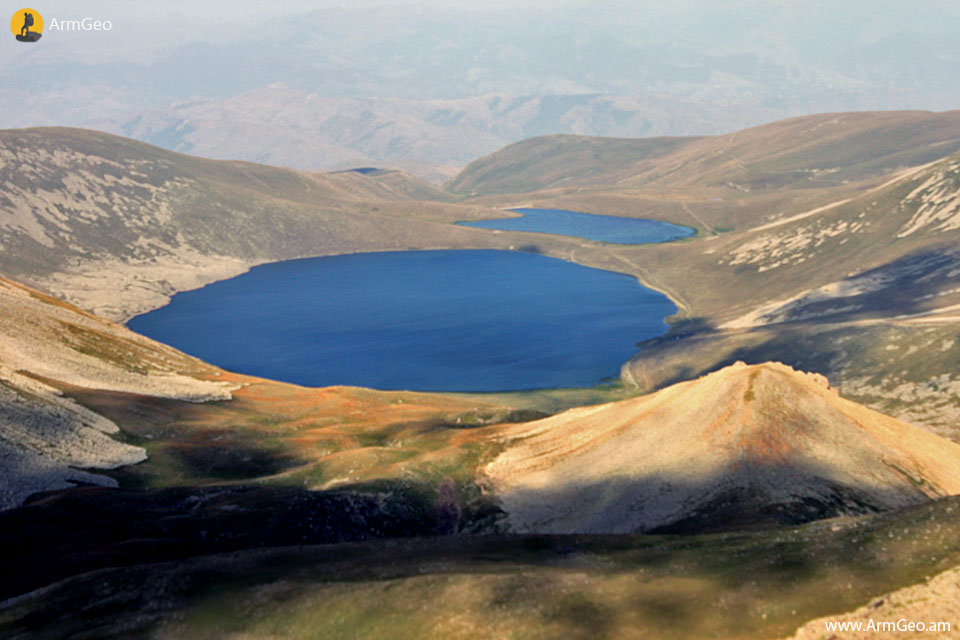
(284, 126)
(430, 85)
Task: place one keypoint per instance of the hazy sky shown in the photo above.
(142, 27)
(765, 59)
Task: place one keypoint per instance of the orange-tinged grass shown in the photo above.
(282, 433)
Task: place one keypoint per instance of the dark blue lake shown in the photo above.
(426, 320)
(588, 225)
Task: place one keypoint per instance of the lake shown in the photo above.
(463, 320)
(587, 225)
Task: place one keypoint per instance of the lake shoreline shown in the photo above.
(561, 321)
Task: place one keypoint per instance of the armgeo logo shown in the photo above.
(27, 25)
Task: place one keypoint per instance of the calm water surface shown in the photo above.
(424, 320)
(588, 225)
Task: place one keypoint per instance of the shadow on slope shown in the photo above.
(845, 330)
(745, 585)
(78, 530)
(912, 284)
(751, 495)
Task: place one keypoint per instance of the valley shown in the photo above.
(799, 417)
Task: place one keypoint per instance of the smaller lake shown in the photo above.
(478, 320)
(587, 225)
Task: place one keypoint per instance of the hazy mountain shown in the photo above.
(610, 69)
(283, 126)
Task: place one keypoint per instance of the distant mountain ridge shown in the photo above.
(282, 126)
(386, 72)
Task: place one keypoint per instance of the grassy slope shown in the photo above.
(280, 434)
(543, 162)
(859, 338)
(716, 184)
(375, 212)
(277, 212)
(744, 585)
(728, 185)
(808, 152)
(528, 587)
(266, 433)
(743, 446)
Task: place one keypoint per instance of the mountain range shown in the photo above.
(280, 125)
(438, 86)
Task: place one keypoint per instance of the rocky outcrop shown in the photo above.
(48, 441)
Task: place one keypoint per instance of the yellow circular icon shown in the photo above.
(27, 25)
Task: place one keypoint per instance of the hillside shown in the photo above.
(748, 585)
(854, 273)
(857, 254)
(116, 225)
(84, 400)
(743, 446)
(933, 602)
(864, 291)
(826, 242)
(47, 438)
(809, 152)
